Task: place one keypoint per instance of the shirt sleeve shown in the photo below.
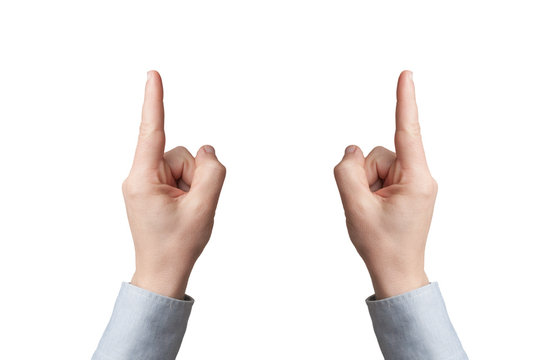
(144, 325)
(415, 325)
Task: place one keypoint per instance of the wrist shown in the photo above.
(170, 283)
(393, 283)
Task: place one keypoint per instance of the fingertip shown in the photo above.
(350, 149)
(405, 88)
(206, 150)
(154, 82)
(209, 173)
(406, 80)
(407, 74)
(152, 74)
(153, 87)
(353, 151)
(350, 174)
(353, 158)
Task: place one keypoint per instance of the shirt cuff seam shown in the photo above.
(401, 298)
(128, 287)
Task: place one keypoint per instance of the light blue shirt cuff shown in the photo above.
(415, 325)
(144, 325)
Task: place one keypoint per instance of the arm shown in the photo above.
(415, 325)
(171, 200)
(388, 200)
(144, 325)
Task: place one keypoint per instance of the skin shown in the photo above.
(388, 199)
(170, 199)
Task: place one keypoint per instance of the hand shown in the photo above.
(388, 201)
(170, 200)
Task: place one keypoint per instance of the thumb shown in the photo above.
(351, 178)
(209, 176)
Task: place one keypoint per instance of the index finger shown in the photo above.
(152, 138)
(408, 139)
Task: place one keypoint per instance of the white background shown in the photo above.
(279, 88)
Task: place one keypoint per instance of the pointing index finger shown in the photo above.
(152, 139)
(408, 140)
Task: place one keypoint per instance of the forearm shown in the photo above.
(144, 325)
(415, 325)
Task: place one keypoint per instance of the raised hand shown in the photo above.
(170, 199)
(388, 200)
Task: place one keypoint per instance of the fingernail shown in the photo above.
(411, 75)
(350, 149)
(209, 149)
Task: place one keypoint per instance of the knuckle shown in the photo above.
(130, 189)
(429, 188)
(342, 167)
(217, 168)
(127, 187)
(379, 152)
(435, 185)
(177, 151)
(337, 170)
(223, 171)
(148, 132)
(415, 129)
(220, 168)
(180, 149)
(144, 129)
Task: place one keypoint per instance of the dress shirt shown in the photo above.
(415, 325)
(149, 326)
